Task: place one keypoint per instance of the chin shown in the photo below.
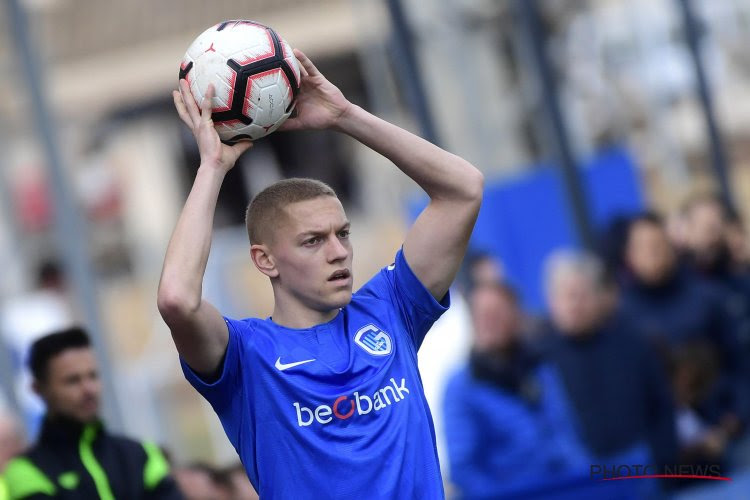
(88, 417)
(341, 299)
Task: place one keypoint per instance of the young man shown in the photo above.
(323, 399)
(75, 457)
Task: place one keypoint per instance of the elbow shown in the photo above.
(473, 184)
(174, 305)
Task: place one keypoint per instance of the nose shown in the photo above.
(92, 387)
(336, 250)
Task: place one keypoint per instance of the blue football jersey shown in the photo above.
(336, 410)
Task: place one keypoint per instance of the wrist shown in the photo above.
(347, 118)
(213, 169)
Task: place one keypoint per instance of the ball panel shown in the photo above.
(291, 60)
(254, 49)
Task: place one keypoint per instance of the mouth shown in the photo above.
(340, 276)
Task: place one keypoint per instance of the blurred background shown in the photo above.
(581, 115)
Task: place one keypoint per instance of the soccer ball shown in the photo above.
(254, 72)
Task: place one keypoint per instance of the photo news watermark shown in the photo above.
(602, 472)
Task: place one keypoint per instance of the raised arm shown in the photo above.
(198, 329)
(436, 243)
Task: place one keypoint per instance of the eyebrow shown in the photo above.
(306, 234)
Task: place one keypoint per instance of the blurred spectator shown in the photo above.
(200, 481)
(671, 305)
(242, 488)
(508, 426)
(28, 316)
(479, 267)
(707, 249)
(617, 388)
(75, 457)
(695, 367)
(709, 254)
(12, 440)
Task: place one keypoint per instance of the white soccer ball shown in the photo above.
(254, 72)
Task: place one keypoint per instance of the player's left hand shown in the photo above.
(320, 104)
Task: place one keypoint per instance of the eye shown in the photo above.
(311, 241)
(344, 233)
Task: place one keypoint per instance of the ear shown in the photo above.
(263, 260)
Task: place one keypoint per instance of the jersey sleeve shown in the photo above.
(219, 391)
(415, 304)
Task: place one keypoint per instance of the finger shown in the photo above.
(180, 105)
(206, 107)
(189, 100)
(303, 72)
(241, 147)
(306, 63)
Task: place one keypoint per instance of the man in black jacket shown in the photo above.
(75, 457)
(617, 388)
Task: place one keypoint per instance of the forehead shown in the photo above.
(706, 210)
(71, 360)
(318, 214)
(570, 279)
(645, 230)
(485, 295)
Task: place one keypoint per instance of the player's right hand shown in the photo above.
(213, 153)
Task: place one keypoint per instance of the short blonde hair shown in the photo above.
(265, 210)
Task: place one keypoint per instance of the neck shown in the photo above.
(297, 316)
(67, 419)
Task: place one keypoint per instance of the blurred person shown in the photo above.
(242, 489)
(200, 481)
(671, 305)
(12, 439)
(619, 393)
(709, 253)
(478, 268)
(694, 369)
(706, 245)
(303, 394)
(507, 422)
(25, 317)
(195, 481)
(74, 456)
(676, 227)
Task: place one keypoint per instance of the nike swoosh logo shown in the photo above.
(284, 366)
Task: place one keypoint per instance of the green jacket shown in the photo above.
(75, 461)
(3, 490)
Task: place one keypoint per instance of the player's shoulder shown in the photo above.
(378, 286)
(251, 333)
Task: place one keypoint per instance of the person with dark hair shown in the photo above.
(709, 254)
(75, 457)
(671, 306)
(478, 268)
(508, 424)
